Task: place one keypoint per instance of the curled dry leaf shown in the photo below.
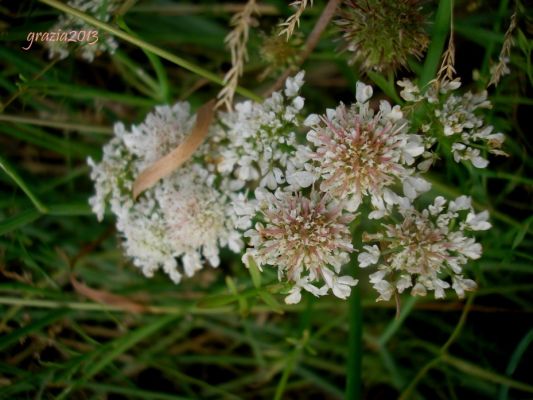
(179, 155)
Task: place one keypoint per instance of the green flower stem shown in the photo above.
(355, 346)
(148, 47)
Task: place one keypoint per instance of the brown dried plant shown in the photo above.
(236, 41)
(447, 69)
(502, 68)
(293, 21)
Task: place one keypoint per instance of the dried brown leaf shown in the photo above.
(179, 155)
(107, 298)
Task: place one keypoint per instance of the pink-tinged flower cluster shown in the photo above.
(356, 152)
(306, 238)
(424, 248)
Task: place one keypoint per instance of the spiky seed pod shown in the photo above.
(381, 34)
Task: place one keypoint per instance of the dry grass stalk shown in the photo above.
(447, 70)
(502, 68)
(236, 42)
(293, 21)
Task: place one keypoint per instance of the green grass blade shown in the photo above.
(10, 171)
(515, 360)
(439, 34)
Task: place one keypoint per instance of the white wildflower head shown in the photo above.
(93, 42)
(425, 248)
(184, 219)
(256, 140)
(357, 152)
(306, 238)
(455, 120)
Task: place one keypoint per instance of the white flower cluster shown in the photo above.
(257, 140)
(307, 238)
(186, 217)
(454, 120)
(356, 152)
(294, 201)
(89, 47)
(425, 247)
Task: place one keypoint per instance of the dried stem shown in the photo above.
(501, 68)
(310, 44)
(294, 20)
(236, 41)
(447, 70)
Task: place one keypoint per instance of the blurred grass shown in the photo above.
(212, 337)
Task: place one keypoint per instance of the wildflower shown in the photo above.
(180, 222)
(455, 120)
(306, 238)
(356, 152)
(381, 34)
(256, 140)
(424, 248)
(88, 50)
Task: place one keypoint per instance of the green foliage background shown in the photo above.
(222, 334)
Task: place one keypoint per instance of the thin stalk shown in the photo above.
(355, 346)
(71, 126)
(396, 323)
(23, 88)
(148, 47)
(442, 354)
